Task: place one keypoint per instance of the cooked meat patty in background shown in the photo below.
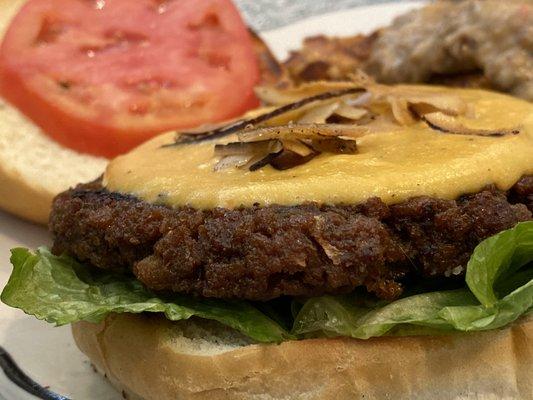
(450, 37)
(485, 44)
(329, 58)
(260, 253)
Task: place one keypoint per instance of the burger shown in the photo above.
(349, 240)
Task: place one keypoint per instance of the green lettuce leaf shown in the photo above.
(499, 289)
(61, 291)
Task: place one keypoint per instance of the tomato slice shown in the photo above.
(102, 76)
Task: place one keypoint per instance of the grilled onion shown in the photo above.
(328, 117)
(447, 124)
(192, 137)
(253, 155)
(284, 147)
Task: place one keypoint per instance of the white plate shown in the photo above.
(48, 354)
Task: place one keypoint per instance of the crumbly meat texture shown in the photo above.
(480, 44)
(455, 37)
(261, 253)
(339, 58)
(329, 58)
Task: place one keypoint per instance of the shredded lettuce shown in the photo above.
(499, 289)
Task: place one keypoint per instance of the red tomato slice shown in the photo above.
(102, 76)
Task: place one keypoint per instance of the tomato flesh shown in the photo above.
(102, 76)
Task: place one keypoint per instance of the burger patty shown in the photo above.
(260, 253)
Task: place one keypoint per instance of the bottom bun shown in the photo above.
(148, 357)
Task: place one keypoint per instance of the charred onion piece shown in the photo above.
(190, 137)
(261, 162)
(240, 148)
(426, 102)
(282, 150)
(288, 159)
(252, 155)
(281, 94)
(335, 145)
(303, 131)
(272, 95)
(444, 123)
(406, 105)
(447, 104)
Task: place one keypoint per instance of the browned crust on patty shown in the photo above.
(261, 253)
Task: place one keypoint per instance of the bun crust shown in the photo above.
(149, 357)
(19, 197)
(34, 169)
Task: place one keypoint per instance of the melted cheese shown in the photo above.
(407, 162)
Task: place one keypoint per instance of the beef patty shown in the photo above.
(260, 253)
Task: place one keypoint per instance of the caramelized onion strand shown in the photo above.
(189, 137)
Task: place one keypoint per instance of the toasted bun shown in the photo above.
(148, 357)
(34, 168)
